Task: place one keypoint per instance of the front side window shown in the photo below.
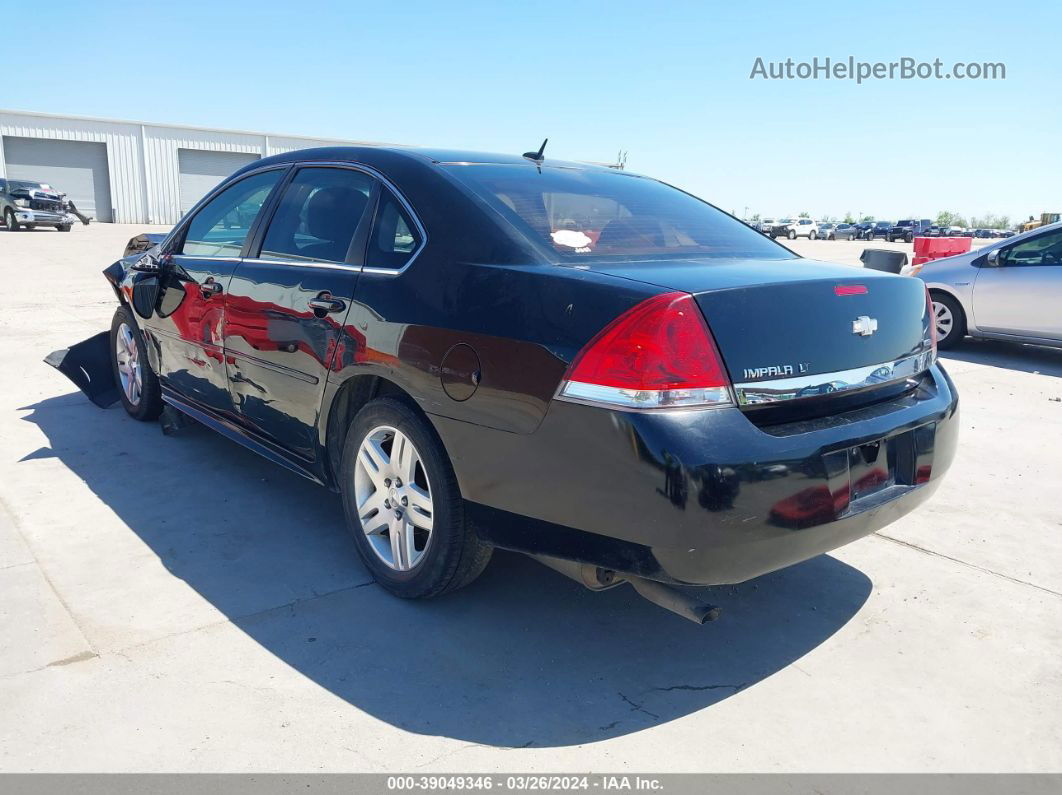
(394, 238)
(1042, 250)
(221, 227)
(318, 215)
(582, 214)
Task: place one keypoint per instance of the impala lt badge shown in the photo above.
(864, 326)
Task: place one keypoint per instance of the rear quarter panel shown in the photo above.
(523, 323)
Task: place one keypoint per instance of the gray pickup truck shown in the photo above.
(32, 204)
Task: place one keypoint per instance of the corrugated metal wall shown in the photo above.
(142, 161)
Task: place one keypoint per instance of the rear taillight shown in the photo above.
(931, 316)
(658, 354)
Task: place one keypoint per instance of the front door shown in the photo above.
(189, 324)
(287, 304)
(1023, 294)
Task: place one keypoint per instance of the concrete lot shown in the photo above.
(177, 604)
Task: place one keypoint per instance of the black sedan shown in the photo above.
(582, 364)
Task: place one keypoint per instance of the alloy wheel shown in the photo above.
(393, 497)
(130, 371)
(944, 320)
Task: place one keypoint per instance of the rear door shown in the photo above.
(190, 322)
(288, 302)
(1023, 294)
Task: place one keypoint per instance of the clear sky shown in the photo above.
(666, 81)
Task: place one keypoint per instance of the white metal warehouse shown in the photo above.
(126, 171)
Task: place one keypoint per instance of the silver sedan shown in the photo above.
(843, 232)
(1008, 290)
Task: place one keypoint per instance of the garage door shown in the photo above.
(202, 170)
(77, 168)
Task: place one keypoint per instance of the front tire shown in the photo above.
(950, 320)
(63, 228)
(137, 383)
(403, 504)
(908, 238)
(792, 235)
(9, 220)
(812, 236)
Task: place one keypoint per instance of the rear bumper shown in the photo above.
(702, 497)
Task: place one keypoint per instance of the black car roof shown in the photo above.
(369, 154)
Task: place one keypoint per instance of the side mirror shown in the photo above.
(993, 258)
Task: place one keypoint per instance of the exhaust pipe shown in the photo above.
(598, 579)
(678, 602)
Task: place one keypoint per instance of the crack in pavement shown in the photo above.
(638, 707)
(961, 562)
(735, 688)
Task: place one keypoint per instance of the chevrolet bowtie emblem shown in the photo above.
(864, 326)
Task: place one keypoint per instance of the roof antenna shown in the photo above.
(537, 156)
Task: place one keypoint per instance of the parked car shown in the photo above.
(1006, 233)
(782, 228)
(844, 232)
(766, 225)
(878, 229)
(1007, 290)
(825, 230)
(983, 233)
(862, 228)
(480, 351)
(32, 204)
(803, 227)
(908, 229)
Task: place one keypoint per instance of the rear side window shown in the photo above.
(395, 238)
(584, 214)
(318, 215)
(220, 228)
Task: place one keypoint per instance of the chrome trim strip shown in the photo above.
(753, 393)
(389, 185)
(643, 400)
(349, 164)
(306, 263)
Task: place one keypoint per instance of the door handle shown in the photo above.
(210, 287)
(326, 303)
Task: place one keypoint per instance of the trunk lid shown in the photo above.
(776, 319)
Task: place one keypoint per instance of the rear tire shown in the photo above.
(137, 383)
(950, 320)
(404, 506)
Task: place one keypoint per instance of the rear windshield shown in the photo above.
(585, 215)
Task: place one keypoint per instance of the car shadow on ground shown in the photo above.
(523, 657)
(1008, 355)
